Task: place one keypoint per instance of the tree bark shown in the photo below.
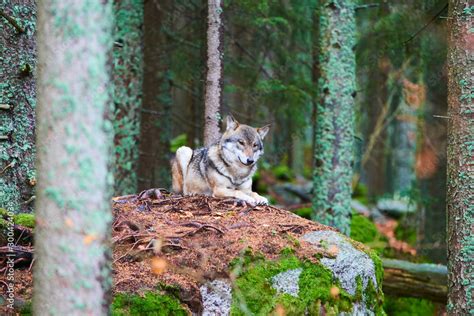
(334, 135)
(460, 189)
(18, 99)
(72, 267)
(127, 77)
(155, 129)
(403, 278)
(213, 97)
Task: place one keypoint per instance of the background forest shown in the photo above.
(271, 70)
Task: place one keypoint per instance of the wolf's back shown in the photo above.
(179, 167)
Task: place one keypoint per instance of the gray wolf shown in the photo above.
(224, 169)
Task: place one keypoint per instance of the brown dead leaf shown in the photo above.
(158, 265)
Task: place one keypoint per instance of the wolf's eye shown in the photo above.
(241, 142)
(255, 145)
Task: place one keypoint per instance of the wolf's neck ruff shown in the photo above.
(218, 161)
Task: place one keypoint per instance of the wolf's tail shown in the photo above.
(179, 167)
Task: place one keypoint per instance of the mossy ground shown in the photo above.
(407, 306)
(364, 230)
(151, 304)
(23, 219)
(254, 294)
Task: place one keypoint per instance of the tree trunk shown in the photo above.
(403, 278)
(334, 136)
(460, 189)
(17, 104)
(127, 77)
(213, 97)
(72, 268)
(155, 129)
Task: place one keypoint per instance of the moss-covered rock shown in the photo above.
(261, 287)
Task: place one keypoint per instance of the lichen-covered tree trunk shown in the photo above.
(155, 129)
(72, 267)
(127, 77)
(334, 134)
(17, 104)
(213, 97)
(460, 189)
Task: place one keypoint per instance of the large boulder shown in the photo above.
(207, 256)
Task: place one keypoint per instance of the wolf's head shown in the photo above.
(242, 143)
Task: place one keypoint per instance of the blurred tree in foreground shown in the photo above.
(72, 250)
(334, 134)
(460, 187)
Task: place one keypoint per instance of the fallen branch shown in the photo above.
(403, 278)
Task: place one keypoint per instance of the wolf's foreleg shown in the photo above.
(179, 168)
(224, 192)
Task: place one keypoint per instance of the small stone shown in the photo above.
(216, 298)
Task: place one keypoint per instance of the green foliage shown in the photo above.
(152, 304)
(406, 233)
(407, 306)
(282, 172)
(178, 141)
(304, 212)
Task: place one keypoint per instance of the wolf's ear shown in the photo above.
(263, 131)
(231, 123)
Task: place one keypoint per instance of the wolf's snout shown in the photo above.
(250, 161)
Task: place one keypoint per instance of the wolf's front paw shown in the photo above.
(260, 200)
(248, 199)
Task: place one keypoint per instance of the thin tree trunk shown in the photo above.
(460, 189)
(72, 267)
(155, 129)
(18, 102)
(213, 96)
(335, 115)
(127, 76)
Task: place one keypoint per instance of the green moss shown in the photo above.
(178, 141)
(407, 306)
(361, 193)
(26, 310)
(364, 230)
(3, 212)
(24, 219)
(253, 293)
(153, 304)
(304, 212)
